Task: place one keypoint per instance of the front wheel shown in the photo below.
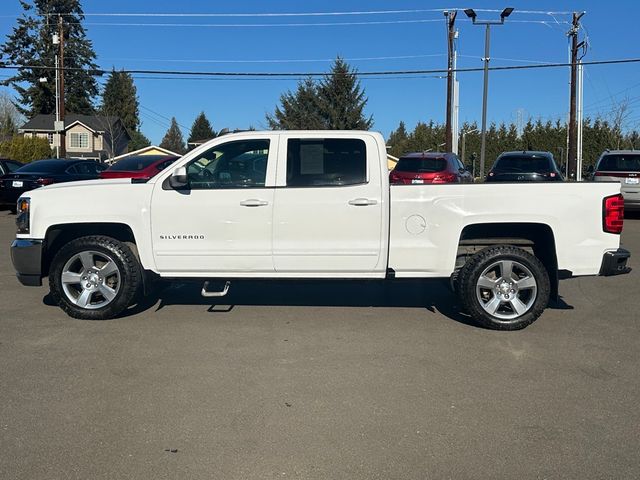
(504, 288)
(94, 277)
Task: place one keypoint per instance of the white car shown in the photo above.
(318, 205)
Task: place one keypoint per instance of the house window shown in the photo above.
(50, 137)
(79, 140)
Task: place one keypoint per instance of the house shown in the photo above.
(150, 150)
(391, 161)
(93, 137)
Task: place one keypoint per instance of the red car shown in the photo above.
(429, 167)
(141, 166)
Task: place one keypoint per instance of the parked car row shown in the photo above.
(621, 166)
(430, 167)
(18, 178)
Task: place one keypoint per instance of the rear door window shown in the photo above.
(327, 162)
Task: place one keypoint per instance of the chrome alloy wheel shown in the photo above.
(506, 289)
(90, 279)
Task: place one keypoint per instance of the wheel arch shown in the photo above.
(538, 238)
(60, 234)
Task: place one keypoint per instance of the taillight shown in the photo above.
(394, 178)
(613, 214)
(44, 181)
(445, 178)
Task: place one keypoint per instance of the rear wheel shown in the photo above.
(504, 288)
(94, 278)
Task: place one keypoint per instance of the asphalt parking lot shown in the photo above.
(306, 381)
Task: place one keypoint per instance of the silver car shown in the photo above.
(621, 166)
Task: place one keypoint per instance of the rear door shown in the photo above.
(329, 207)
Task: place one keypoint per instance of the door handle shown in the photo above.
(254, 202)
(362, 202)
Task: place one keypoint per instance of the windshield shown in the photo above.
(132, 164)
(421, 165)
(620, 163)
(42, 166)
(522, 163)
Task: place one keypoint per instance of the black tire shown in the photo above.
(129, 277)
(478, 300)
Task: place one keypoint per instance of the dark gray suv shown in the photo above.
(621, 166)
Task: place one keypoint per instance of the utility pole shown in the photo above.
(60, 72)
(572, 155)
(580, 110)
(451, 19)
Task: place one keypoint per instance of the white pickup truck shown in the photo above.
(313, 204)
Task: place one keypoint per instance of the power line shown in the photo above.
(284, 79)
(273, 25)
(164, 117)
(538, 62)
(317, 60)
(99, 71)
(254, 25)
(305, 14)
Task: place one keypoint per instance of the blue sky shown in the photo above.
(243, 103)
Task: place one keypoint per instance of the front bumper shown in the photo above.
(615, 262)
(26, 256)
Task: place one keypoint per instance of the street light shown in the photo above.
(470, 12)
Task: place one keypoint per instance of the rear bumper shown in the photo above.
(26, 256)
(615, 262)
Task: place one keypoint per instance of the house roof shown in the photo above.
(97, 123)
(150, 150)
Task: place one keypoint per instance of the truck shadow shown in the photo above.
(432, 295)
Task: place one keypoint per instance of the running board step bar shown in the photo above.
(222, 293)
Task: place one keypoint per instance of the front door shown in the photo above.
(221, 224)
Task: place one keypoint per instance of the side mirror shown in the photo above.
(590, 169)
(179, 178)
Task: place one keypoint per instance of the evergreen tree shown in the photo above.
(138, 141)
(201, 129)
(342, 100)
(119, 99)
(30, 43)
(336, 102)
(299, 110)
(173, 139)
(398, 140)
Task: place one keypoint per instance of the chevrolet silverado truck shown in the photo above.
(313, 205)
